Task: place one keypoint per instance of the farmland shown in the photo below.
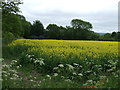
(94, 63)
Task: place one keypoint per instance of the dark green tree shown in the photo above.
(13, 25)
(114, 35)
(94, 36)
(37, 28)
(10, 7)
(53, 31)
(117, 36)
(61, 32)
(80, 24)
(106, 37)
(68, 33)
(10, 21)
(26, 26)
(81, 29)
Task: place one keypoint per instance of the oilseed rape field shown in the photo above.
(94, 63)
(67, 50)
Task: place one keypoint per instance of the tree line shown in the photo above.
(15, 26)
(79, 30)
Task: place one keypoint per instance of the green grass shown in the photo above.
(39, 80)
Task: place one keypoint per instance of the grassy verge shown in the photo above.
(16, 76)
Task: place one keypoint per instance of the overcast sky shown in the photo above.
(103, 14)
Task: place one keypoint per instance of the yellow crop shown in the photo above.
(68, 49)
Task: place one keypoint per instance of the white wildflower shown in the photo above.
(4, 72)
(74, 73)
(40, 81)
(55, 74)
(30, 76)
(11, 78)
(70, 67)
(34, 77)
(15, 61)
(1, 79)
(80, 74)
(28, 56)
(31, 80)
(41, 62)
(41, 59)
(18, 67)
(62, 77)
(75, 64)
(1, 59)
(102, 77)
(15, 75)
(5, 75)
(48, 76)
(55, 68)
(89, 81)
(61, 65)
(68, 80)
(85, 84)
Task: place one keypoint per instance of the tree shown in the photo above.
(117, 36)
(13, 24)
(10, 21)
(53, 31)
(26, 26)
(106, 37)
(113, 34)
(37, 28)
(81, 29)
(68, 33)
(77, 23)
(94, 36)
(62, 32)
(9, 7)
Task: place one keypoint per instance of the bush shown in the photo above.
(7, 37)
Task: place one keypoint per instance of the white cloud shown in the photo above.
(98, 12)
(70, 5)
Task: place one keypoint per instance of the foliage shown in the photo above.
(10, 7)
(80, 30)
(94, 36)
(15, 75)
(26, 26)
(116, 35)
(7, 37)
(110, 37)
(13, 24)
(53, 31)
(37, 28)
(77, 23)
